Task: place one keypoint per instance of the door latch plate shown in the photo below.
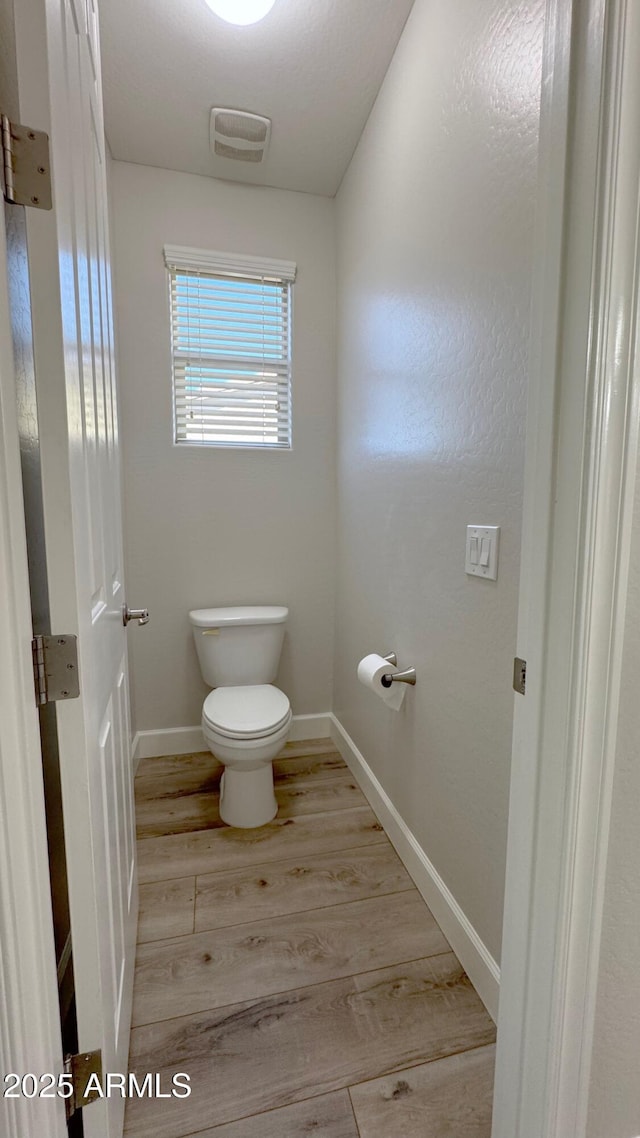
(519, 675)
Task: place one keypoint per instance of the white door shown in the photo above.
(60, 91)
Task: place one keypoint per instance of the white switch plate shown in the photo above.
(483, 544)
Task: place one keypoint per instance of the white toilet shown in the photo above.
(245, 720)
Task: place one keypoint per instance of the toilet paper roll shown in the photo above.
(371, 669)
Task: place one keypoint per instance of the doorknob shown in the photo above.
(141, 615)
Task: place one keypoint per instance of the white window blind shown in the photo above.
(231, 346)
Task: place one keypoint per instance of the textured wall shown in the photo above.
(205, 526)
(435, 256)
(615, 1086)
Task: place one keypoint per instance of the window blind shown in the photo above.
(231, 347)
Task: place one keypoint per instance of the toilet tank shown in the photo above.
(238, 646)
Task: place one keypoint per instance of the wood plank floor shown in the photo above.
(293, 971)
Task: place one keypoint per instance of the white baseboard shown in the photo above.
(167, 741)
(477, 961)
(188, 740)
(310, 727)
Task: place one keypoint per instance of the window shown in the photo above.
(231, 348)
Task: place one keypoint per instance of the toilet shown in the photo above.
(245, 719)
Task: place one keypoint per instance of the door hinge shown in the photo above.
(55, 668)
(27, 167)
(519, 675)
(86, 1077)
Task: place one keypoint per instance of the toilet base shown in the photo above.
(246, 796)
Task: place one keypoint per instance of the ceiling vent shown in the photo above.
(239, 135)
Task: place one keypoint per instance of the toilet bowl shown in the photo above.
(245, 719)
(246, 727)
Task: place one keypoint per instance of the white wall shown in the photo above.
(615, 1085)
(435, 258)
(208, 527)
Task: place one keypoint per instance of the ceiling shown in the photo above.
(313, 66)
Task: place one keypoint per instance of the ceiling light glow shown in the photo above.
(241, 12)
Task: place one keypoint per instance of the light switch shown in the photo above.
(482, 551)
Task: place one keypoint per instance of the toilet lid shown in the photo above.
(246, 712)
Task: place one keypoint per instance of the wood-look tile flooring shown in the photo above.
(294, 971)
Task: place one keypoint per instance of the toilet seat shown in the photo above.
(252, 712)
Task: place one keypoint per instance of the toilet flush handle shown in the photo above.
(141, 615)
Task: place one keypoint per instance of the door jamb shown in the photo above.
(582, 438)
(30, 1030)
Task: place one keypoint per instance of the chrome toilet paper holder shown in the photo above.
(406, 677)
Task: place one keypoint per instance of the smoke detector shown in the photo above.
(239, 136)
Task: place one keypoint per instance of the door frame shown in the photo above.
(30, 1029)
(580, 474)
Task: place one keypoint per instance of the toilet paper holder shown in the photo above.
(406, 677)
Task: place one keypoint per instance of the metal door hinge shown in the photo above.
(27, 168)
(519, 675)
(55, 668)
(86, 1077)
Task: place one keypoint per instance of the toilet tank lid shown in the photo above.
(245, 614)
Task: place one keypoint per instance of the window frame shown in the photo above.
(218, 267)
